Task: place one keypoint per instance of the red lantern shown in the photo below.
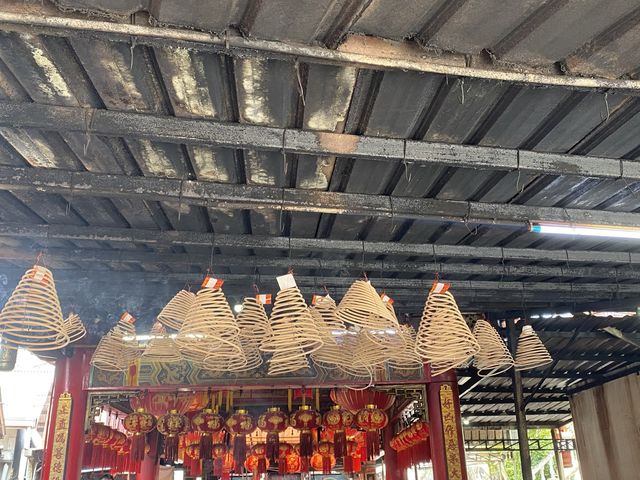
(273, 422)
(352, 458)
(207, 422)
(172, 425)
(337, 420)
(318, 462)
(219, 451)
(257, 465)
(304, 420)
(292, 462)
(240, 424)
(139, 424)
(325, 449)
(354, 400)
(284, 449)
(372, 420)
(259, 450)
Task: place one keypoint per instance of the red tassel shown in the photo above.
(282, 465)
(262, 465)
(96, 453)
(306, 443)
(273, 446)
(340, 444)
(326, 464)
(348, 464)
(304, 464)
(206, 446)
(239, 451)
(86, 454)
(373, 444)
(217, 467)
(196, 468)
(137, 448)
(171, 448)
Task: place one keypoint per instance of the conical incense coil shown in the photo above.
(405, 357)
(351, 358)
(32, 316)
(291, 326)
(362, 306)
(493, 357)
(531, 352)
(287, 361)
(74, 328)
(175, 312)
(253, 320)
(330, 327)
(228, 358)
(161, 347)
(118, 349)
(252, 355)
(209, 327)
(444, 338)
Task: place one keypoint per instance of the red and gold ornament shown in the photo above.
(207, 422)
(219, 451)
(284, 449)
(371, 419)
(338, 420)
(274, 422)
(259, 450)
(240, 424)
(305, 419)
(325, 449)
(171, 426)
(138, 423)
(352, 460)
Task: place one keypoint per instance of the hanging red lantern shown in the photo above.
(372, 420)
(352, 457)
(284, 449)
(274, 422)
(305, 419)
(257, 465)
(171, 426)
(207, 422)
(318, 462)
(118, 440)
(139, 423)
(354, 400)
(240, 424)
(259, 450)
(338, 420)
(292, 462)
(218, 452)
(325, 449)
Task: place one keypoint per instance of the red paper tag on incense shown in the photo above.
(315, 299)
(211, 282)
(386, 299)
(127, 317)
(264, 298)
(439, 287)
(39, 274)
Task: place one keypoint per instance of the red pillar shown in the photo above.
(150, 467)
(445, 424)
(71, 375)
(392, 471)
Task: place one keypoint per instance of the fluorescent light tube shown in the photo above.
(586, 230)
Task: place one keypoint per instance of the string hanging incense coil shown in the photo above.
(253, 320)
(210, 332)
(32, 316)
(362, 306)
(118, 349)
(74, 328)
(174, 313)
(161, 347)
(330, 327)
(294, 334)
(531, 352)
(444, 338)
(493, 357)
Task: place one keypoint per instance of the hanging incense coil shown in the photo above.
(294, 334)
(174, 313)
(118, 349)
(252, 355)
(353, 358)
(493, 357)
(324, 315)
(404, 356)
(161, 347)
(444, 338)
(253, 321)
(32, 316)
(531, 352)
(209, 329)
(74, 328)
(362, 306)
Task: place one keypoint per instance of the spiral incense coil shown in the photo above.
(362, 306)
(252, 356)
(531, 352)
(291, 325)
(405, 357)
(493, 357)
(74, 328)
(353, 359)
(161, 347)
(331, 328)
(174, 313)
(253, 321)
(32, 316)
(209, 329)
(444, 338)
(118, 349)
(287, 361)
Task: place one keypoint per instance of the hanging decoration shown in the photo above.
(240, 424)
(444, 338)
(171, 426)
(372, 420)
(353, 459)
(74, 328)
(273, 422)
(362, 306)
(293, 334)
(253, 323)
(118, 349)
(317, 462)
(412, 445)
(32, 317)
(284, 449)
(207, 422)
(292, 462)
(531, 352)
(337, 420)
(493, 357)
(219, 452)
(305, 419)
(259, 450)
(325, 449)
(138, 423)
(158, 403)
(324, 314)
(175, 312)
(355, 400)
(161, 347)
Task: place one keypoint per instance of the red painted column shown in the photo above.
(392, 471)
(150, 467)
(445, 424)
(71, 375)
